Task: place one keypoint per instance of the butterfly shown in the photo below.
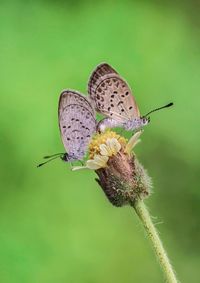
(77, 124)
(112, 97)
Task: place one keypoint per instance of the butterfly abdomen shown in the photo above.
(107, 123)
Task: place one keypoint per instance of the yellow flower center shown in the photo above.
(95, 146)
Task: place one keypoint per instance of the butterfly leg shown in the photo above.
(71, 165)
(133, 141)
(81, 162)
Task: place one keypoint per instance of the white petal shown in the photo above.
(109, 142)
(75, 168)
(113, 145)
(101, 160)
(91, 164)
(116, 145)
(133, 141)
(103, 149)
(110, 147)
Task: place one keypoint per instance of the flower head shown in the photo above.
(101, 148)
(121, 176)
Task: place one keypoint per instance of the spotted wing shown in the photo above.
(76, 121)
(111, 95)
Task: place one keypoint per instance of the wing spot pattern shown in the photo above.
(120, 102)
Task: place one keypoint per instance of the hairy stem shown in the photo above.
(152, 233)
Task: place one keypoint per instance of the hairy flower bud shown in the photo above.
(124, 179)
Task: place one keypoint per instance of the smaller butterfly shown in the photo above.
(112, 97)
(77, 124)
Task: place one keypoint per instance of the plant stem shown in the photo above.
(152, 233)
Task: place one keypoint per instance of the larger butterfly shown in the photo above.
(77, 124)
(112, 97)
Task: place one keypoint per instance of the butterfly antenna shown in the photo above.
(56, 154)
(165, 106)
(41, 164)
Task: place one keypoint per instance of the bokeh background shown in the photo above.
(56, 225)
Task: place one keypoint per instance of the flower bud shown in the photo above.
(124, 179)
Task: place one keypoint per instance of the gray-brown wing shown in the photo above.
(76, 121)
(111, 95)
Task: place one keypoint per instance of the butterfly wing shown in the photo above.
(111, 95)
(76, 121)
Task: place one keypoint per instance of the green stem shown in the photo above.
(152, 233)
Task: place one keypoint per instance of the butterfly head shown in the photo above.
(145, 121)
(70, 157)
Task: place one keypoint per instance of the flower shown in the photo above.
(106, 145)
(101, 148)
(121, 176)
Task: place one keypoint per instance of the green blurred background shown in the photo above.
(56, 225)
